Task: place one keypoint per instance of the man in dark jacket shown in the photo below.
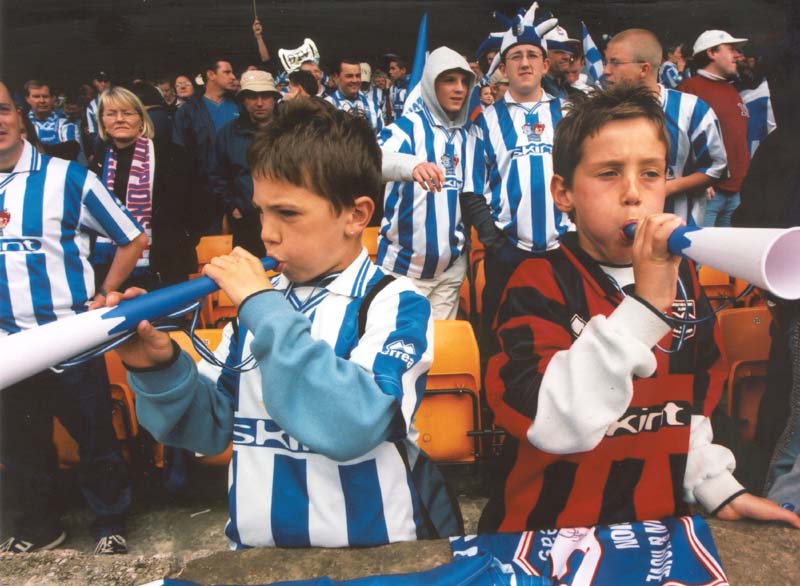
(230, 180)
(196, 127)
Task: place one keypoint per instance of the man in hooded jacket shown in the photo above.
(432, 155)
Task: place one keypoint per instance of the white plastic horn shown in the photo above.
(292, 59)
(766, 257)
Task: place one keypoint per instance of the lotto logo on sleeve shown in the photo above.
(402, 350)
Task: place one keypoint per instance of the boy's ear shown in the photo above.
(562, 195)
(360, 215)
(546, 61)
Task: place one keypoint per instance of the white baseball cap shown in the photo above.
(713, 38)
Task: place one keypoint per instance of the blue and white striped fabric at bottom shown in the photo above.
(674, 551)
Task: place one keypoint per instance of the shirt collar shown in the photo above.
(29, 161)
(662, 90)
(351, 282)
(711, 76)
(53, 117)
(341, 96)
(509, 100)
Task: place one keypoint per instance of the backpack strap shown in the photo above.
(367, 301)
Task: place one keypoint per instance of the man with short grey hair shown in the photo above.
(696, 158)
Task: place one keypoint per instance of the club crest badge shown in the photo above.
(533, 131)
(449, 163)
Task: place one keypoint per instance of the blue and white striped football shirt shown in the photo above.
(762, 119)
(422, 234)
(53, 205)
(695, 144)
(283, 493)
(669, 76)
(363, 105)
(91, 116)
(518, 142)
(378, 98)
(398, 92)
(55, 129)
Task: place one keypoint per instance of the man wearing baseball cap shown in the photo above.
(560, 54)
(230, 179)
(716, 54)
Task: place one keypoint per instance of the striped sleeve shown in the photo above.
(708, 150)
(491, 175)
(398, 137)
(101, 212)
(91, 117)
(68, 131)
(397, 346)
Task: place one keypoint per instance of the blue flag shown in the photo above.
(594, 60)
(414, 96)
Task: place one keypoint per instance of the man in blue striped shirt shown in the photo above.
(49, 209)
(422, 233)
(696, 157)
(348, 95)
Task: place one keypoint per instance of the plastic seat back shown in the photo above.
(211, 246)
(746, 344)
(369, 238)
(450, 405)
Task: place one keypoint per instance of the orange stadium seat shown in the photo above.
(211, 246)
(450, 405)
(745, 344)
(717, 285)
(369, 238)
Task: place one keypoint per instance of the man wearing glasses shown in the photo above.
(520, 218)
(696, 158)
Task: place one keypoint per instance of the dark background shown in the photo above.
(67, 41)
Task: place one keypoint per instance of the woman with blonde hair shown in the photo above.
(151, 179)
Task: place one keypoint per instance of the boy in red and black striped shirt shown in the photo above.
(602, 427)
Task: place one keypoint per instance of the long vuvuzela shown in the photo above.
(25, 353)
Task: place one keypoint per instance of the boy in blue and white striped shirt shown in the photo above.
(422, 233)
(322, 428)
(518, 217)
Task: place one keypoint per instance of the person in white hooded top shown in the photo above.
(432, 156)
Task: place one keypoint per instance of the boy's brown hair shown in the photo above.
(586, 117)
(311, 144)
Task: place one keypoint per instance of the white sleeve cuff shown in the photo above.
(639, 321)
(715, 491)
